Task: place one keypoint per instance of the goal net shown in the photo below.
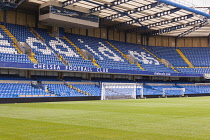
(173, 92)
(114, 91)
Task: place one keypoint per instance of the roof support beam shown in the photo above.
(193, 29)
(162, 23)
(160, 14)
(173, 28)
(114, 10)
(70, 2)
(139, 9)
(133, 19)
(100, 7)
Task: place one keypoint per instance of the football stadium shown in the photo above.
(104, 69)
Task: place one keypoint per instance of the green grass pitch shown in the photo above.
(150, 119)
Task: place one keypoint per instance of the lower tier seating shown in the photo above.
(26, 88)
(92, 89)
(8, 90)
(63, 90)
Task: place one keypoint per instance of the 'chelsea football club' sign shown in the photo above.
(52, 67)
(69, 68)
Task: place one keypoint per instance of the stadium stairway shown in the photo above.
(62, 59)
(158, 58)
(79, 51)
(79, 90)
(75, 88)
(15, 41)
(43, 54)
(43, 87)
(65, 49)
(124, 55)
(50, 92)
(185, 58)
(151, 53)
(59, 56)
(12, 37)
(36, 34)
(32, 58)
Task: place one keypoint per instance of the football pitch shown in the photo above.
(145, 119)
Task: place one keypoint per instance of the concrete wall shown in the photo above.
(1, 15)
(20, 18)
(193, 42)
(181, 42)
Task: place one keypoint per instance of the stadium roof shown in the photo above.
(151, 17)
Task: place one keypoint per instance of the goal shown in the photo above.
(173, 92)
(114, 91)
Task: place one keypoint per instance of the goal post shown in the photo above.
(140, 90)
(114, 91)
(173, 91)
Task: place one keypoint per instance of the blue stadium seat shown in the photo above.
(147, 61)
(43, 54)
(168, 53)
(198, 56)
(106, 56)
(61, 46)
